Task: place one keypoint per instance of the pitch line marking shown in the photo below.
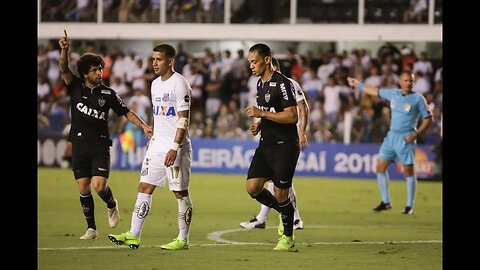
(217, 237)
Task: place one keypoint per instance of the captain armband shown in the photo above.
(182, 123)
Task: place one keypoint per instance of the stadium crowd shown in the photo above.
(241, 11)
(223, 86)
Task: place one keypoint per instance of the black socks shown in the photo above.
(88, 209)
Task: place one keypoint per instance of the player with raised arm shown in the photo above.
(91, 102)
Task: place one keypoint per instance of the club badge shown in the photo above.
(407, 107)
(101, 102)
(267, 97)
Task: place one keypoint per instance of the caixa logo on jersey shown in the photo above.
(164, 110)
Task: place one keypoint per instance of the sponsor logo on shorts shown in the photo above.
(102, 169)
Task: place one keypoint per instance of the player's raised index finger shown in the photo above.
(65, 32)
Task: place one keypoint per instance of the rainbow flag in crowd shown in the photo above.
(127, 141)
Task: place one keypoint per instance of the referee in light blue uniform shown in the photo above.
(400, 142)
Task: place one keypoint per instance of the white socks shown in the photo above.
(184, 217)
(140, 212)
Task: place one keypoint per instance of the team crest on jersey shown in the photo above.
(392, 103)
(101, 102)
(407, 107)
(166, 97)
(272, 84)
(267, 97)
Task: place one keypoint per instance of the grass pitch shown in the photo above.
(341, 230)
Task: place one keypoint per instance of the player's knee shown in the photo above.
(100, 189)
(408, 170)
(253, 191)
(381, 167)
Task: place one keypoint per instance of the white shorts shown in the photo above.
(154, 171)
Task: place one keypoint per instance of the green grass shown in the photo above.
(341, 231)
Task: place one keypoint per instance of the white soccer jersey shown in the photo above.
(168, 98)
(299, 95)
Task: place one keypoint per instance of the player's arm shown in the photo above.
(423, 127)
(368, 89)
(288, 116)
(182, 126)
(426, 121)
(66, 72)
(304, 112)
(136, 120)
(256, 127)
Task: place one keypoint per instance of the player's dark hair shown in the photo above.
(87, 61)
(167, 49)
(262, 49)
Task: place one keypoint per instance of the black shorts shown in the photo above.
(90, 159)
(276, 162)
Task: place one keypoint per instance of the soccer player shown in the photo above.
(169, 153)
(276, 156)
(91, 102)
(400, 143)
(303, 110)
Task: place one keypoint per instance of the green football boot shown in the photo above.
(125, 239)
(177, 244)
(285, 243)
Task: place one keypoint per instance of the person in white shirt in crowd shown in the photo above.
(373, 79)
(423, 65)
(422, 84)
